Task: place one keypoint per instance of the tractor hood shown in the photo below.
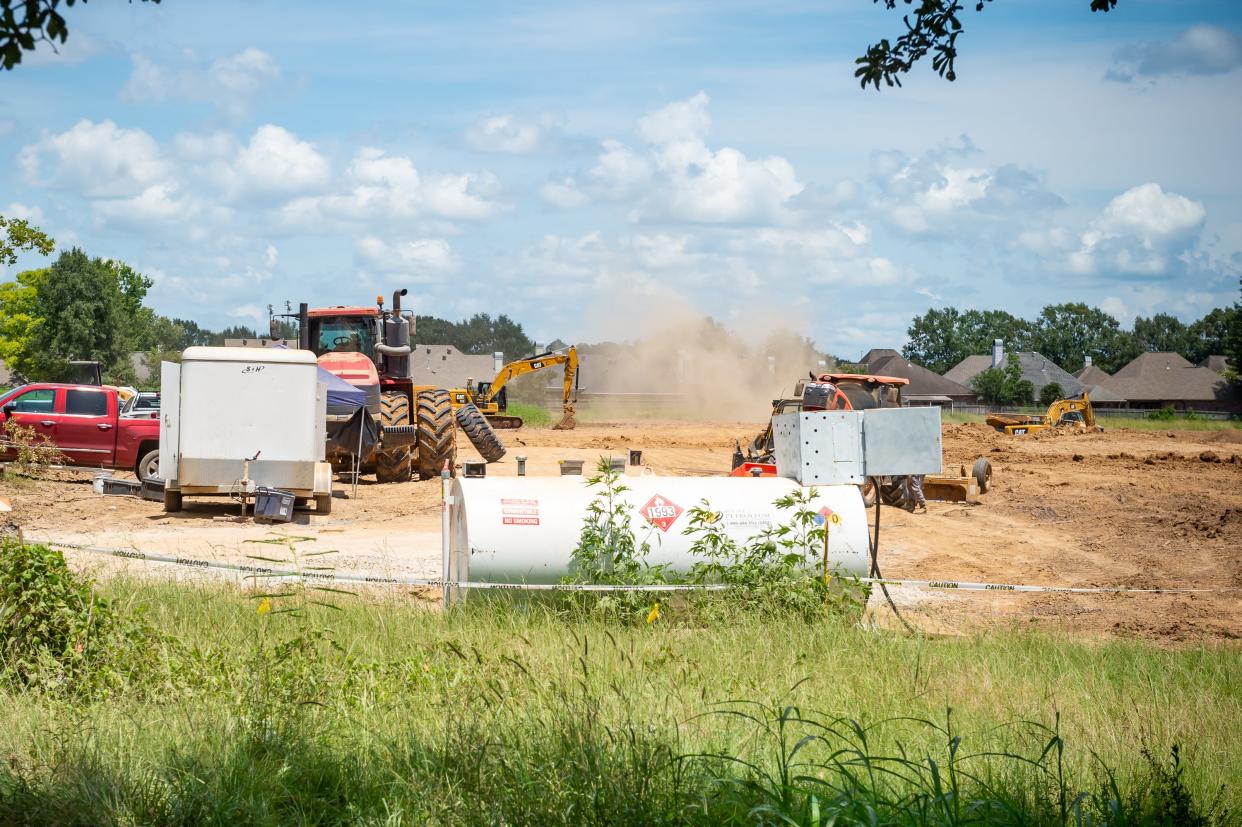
(354, 368)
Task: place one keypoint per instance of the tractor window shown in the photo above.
(342, 334)
(860, 398)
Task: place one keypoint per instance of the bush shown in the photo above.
(1050, 393)
(56, 633)
(35, 451)
(1164, 414)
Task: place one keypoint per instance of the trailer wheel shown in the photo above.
(323, 504)
(982, 472)
(479, 431)
(395, 464)
(437, 433)
(172, 501)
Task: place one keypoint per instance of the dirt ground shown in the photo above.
(1127, 508)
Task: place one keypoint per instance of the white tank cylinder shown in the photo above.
(524, 529)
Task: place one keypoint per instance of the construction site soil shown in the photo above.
(1138, 509)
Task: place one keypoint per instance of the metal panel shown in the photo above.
(902, 441)
(170, 416)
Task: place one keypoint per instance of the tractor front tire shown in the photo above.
(479, 431)
(437, 433)
(395, 464)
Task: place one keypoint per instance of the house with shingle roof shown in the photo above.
(1035, 368)
(1217, 364)
(1093, 380)
(926, 387)
(1167, 380)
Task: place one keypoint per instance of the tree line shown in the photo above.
(1068, 333)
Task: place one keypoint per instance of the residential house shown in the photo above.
(1034, 367)
(1094, 382)
(1167, 380)
(1218, 364)
(447, 367)
(926, 387)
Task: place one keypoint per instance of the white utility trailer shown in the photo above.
(235, 419)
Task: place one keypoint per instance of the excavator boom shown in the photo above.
(567, 357)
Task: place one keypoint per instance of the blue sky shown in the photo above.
(596, 169)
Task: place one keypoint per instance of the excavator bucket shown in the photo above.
(567, 423)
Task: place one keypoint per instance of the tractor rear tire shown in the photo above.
(479, 431)
(437, 433)
(395, 464)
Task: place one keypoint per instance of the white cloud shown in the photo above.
(16, 210)
(937, 192)
(194, 147)
(7, 127)
(677, 177)
(157, 204)
(1199, 50)
(276, 162)
(388, 188)
(1144, 231)
(419, 259)
(95, 159)
(229, 83)
(504, 134)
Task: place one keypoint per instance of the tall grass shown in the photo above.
(533, 416)
(380, 712)
(1137, 423)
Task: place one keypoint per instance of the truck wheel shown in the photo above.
(479, 431)
(172, 501)
(323, 504)
(149, 466)
(395, 464)
(437, 435)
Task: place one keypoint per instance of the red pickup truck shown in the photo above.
(84, 422)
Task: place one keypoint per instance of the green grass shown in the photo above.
(1137, 423)
(510, 714)
(533, 416)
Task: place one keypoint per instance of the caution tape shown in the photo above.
(256, 572)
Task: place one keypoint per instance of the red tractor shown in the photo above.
(369, 348)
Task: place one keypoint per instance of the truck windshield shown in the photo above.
(342, 334)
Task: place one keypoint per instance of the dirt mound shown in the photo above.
(1232, 436)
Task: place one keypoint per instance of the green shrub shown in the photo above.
(57, 634)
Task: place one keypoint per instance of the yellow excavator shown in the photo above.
(489, 397)
(1072, 413)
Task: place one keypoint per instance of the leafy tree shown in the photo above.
(1233, 341)
(1210, 335)
(1163, 333)
(989, 385)
(17, 235)
(1068, 333)
(934, 30)
(1004, 386)
(80, 305)
(939, 339)
(26, 23)
(478, 334)
(1050, 393)
(19, 318)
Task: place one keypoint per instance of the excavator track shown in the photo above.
(502, 422)
(437, 433)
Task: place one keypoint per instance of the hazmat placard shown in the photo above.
(519, 512)
(662, 512)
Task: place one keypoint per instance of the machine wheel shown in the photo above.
(323, 504)
(395, 464)
(172, 501)
(479, 432)
(149, 466)
(869, 492)
(437, 435)
(982, 472)
(897, 493)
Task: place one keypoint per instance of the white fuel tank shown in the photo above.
(524, 529)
